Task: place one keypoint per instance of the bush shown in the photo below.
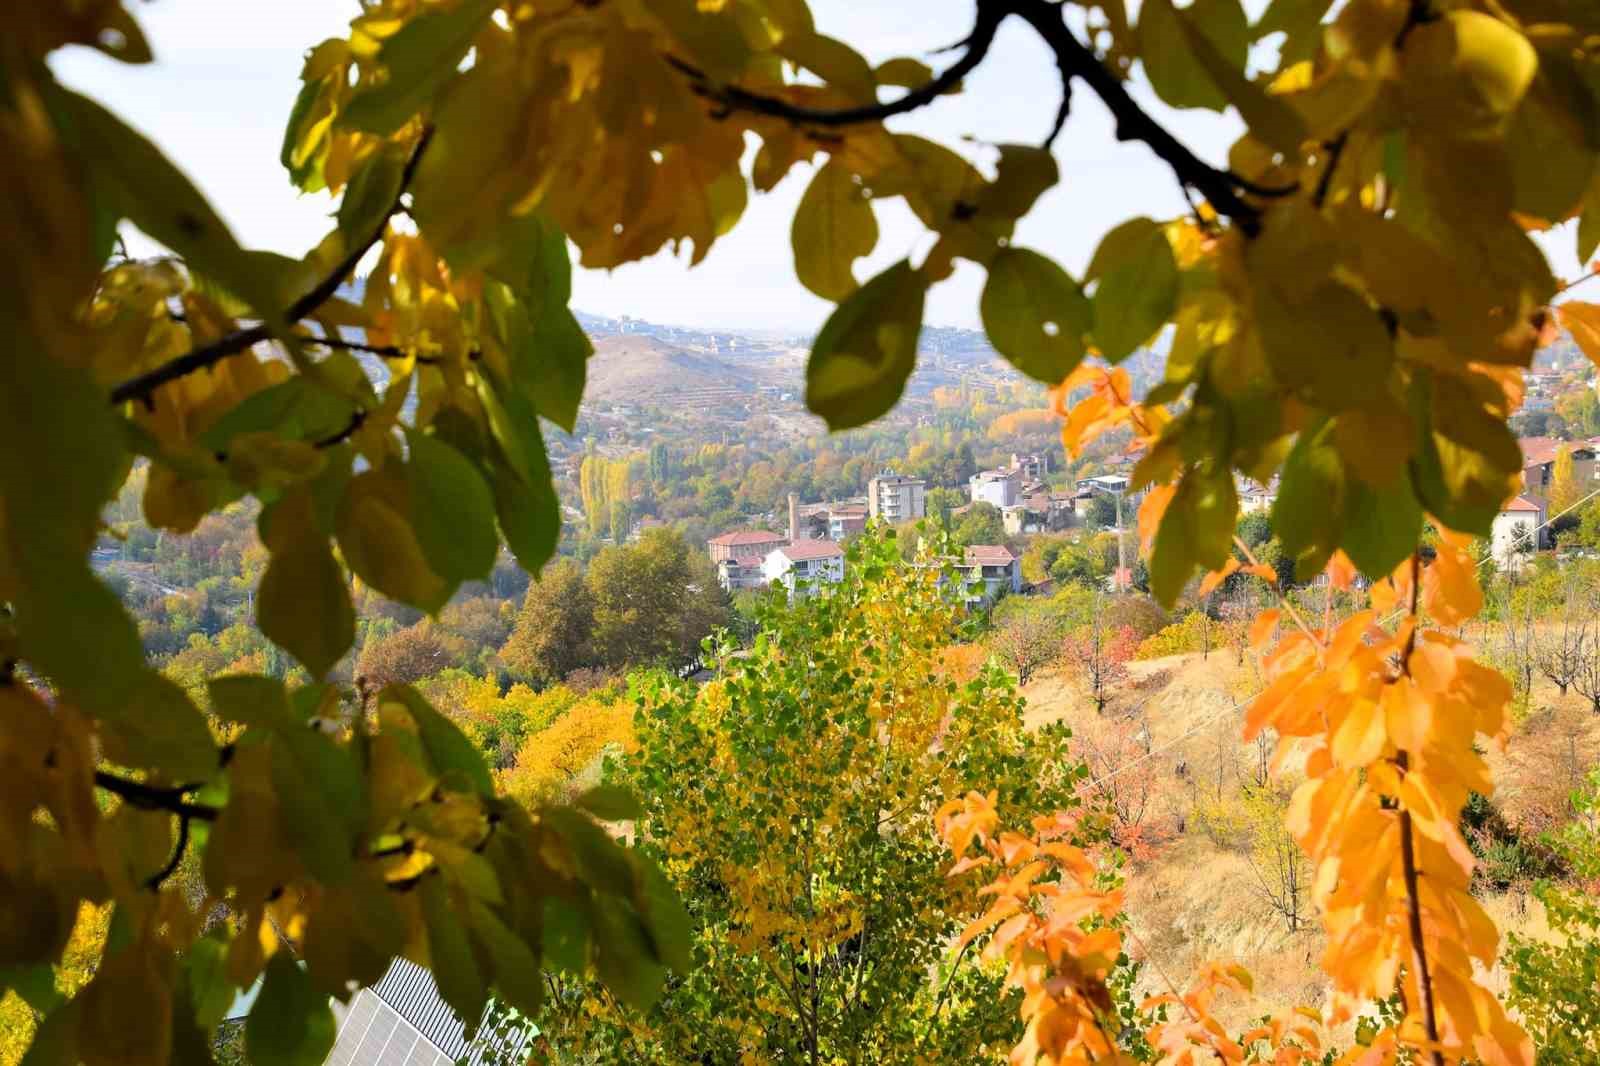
(1188, 634)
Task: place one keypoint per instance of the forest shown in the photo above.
(333, 633)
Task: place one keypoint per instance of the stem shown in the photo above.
(1408, 855)
(154, 798)
(141, 387)
(154, 881)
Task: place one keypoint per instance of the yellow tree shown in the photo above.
(1564, 488)
(1351, 302)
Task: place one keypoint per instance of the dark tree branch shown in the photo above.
(386, 351)
(733, 98)
(1073, 59)
(154, 798)
(145, 384)
(1335, 149)
(153, 882)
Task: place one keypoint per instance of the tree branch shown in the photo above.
(385, 351)
(733, 98)
(141, 387)
(358, 417)
(154, 798)
(153, 882)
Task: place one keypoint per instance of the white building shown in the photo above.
(1031, 467)
(1517, 531)
(999, 487)
(805, 564)
(893, 497)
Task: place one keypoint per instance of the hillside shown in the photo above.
(633, 368)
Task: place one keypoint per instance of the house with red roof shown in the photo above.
(990, 571)
(745, 545)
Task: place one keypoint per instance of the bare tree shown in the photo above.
(1586, 679)
(1560, 652)
(1028, 641)
(1098, 656)
(1282, 871)
(1516, 643)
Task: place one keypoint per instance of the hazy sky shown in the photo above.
(226, 74)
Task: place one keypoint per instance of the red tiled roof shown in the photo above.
(1538, 450)
(989, 555)
(1521, 503)
(747, 536)
(800, 550)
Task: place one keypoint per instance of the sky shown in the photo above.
(226, 73)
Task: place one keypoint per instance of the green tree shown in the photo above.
(640, 593)
(790, 800)
(981, 525)
(554, 631)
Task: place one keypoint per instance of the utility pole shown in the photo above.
(1122, 551)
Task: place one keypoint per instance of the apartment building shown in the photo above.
(893, 497)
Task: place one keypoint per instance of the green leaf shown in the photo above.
(448, 749)
(55, 1042)
(665, 917)
(35, 984)
(1308, 515)
(903, 72)
(1270, 118)
(372, 192)
(1381, 525)
(290, 1023)
(867, 349)
(1035, 314)
(517, 976)
(1175, 72)
(450, 955)
(452, 510)
(566, 935)
(833, 227)
(419, 59)
(625, 957)
(303, 603)
(296, 409)
(1137, 289)
(143, 185)
(211, 993)
(1467, 461)
(610, 803)
(1024, 173)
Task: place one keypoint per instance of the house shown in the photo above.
(1518, 530)
(744, 546)
(1032, 515)
(804, 566)
(402, 1021)
(1031, 467)
(999, 487)
(1539, 463)
(846, 522)
(737, 574)
(1256, 497)
(990, 571)
(895, 498)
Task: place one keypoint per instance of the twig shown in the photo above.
(145, 384)
(385, 351)
(733, 98)
(358, 418)
(153, 882)
(154, 798)
(1335, 152)
(1408, 855)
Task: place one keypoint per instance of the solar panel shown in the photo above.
(401, 1021)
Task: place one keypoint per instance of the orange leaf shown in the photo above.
(1583, 322)
(1341, 571)
(1261, 629)
(1217, 577)
(1150, 512)
(1263, 571)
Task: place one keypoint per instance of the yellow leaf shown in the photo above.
(126, 1017)
(1465, 73)
(1582, 320)
(833, 227)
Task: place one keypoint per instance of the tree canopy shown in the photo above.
(1349, 305)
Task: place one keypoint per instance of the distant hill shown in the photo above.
(637, 368)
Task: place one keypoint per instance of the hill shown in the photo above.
(635, 368)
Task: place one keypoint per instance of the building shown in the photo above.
(401, 1021)
(1031, 467)
(804, 564)
(1539, 464)
(737, 574)
(990, 571)
(1254, 496)
(893, 497)
(847, 521)
(748, 546)
(1032, 515)
(999, 487)
(1517, 531)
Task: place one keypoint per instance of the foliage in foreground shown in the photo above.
(1352, 302)
(789, 803)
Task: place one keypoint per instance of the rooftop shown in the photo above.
(1521, 503)
(747, 536)
(989, 555)
(801, 550)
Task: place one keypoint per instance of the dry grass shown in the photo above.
(1191, 900)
